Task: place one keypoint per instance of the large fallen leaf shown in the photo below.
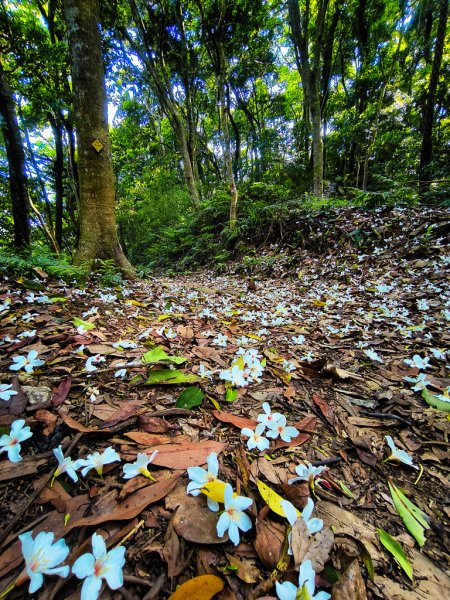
(272, 499)
(396, 550)
(148, 439)
(132, 506)
(203, 587)
(415, 520)
(170, 377)
(193, 520)
(269, 542)
(158, 354)
(433, 582)
(185, 454)
(434, 401)
(320, 549)
(239, 422)
(28, 466)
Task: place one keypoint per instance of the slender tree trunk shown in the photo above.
(58, 170)
(317, 140)
(98, 227)
(426, 150)
(16, 164)
(37, 171)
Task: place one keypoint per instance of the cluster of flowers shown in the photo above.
(42, 557)
(276, 427)
(245, 369)
(10, 443)
(233, 518)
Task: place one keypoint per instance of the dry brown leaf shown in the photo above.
(28, 466)
(185, 454)
(129, 508)
(49, 419)
(239, 422)
(320, 548)
(269, 542)
(203, 587)
(246, 569)
(300, 541)
(61, 392)
(262, 466)
(172, 553)
(155, 424)
(148, 439)
(351, 585)
(433, 582)
(73, 424)
(208, 353)
(193, 521)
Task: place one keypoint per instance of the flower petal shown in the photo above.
(286, 590)
(91, 588)
(222, 524)
(84, 566)
(98, 546)
(213, 464)
(36, 581)
(290, 511)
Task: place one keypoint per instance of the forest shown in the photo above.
(222, 116)
(224, 301)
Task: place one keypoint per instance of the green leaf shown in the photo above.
(86, 325)
(396, 550)
(435, 402)
(415, 520)
(190, 397)
(158, 354)
(231, 394)
(346, 491)
(169, 377)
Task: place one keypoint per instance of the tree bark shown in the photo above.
(98, 228)
(426, 150)
(16, 164)
(58, 170)
(314, 59)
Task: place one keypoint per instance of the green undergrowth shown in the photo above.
(38, 264)
(267, 214)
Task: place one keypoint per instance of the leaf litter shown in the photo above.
(350, 346)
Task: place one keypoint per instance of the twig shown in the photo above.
(34, 495)
(379, 415)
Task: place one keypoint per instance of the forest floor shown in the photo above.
(334, 335)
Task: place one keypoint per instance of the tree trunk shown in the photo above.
(58, 169)
(16, 164)
(98, 228)
(317, 140)
(426, 150)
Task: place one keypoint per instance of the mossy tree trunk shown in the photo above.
(98, 228)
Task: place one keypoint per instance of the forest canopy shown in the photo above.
(218, 112)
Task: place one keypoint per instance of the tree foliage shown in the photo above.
(212, 98)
